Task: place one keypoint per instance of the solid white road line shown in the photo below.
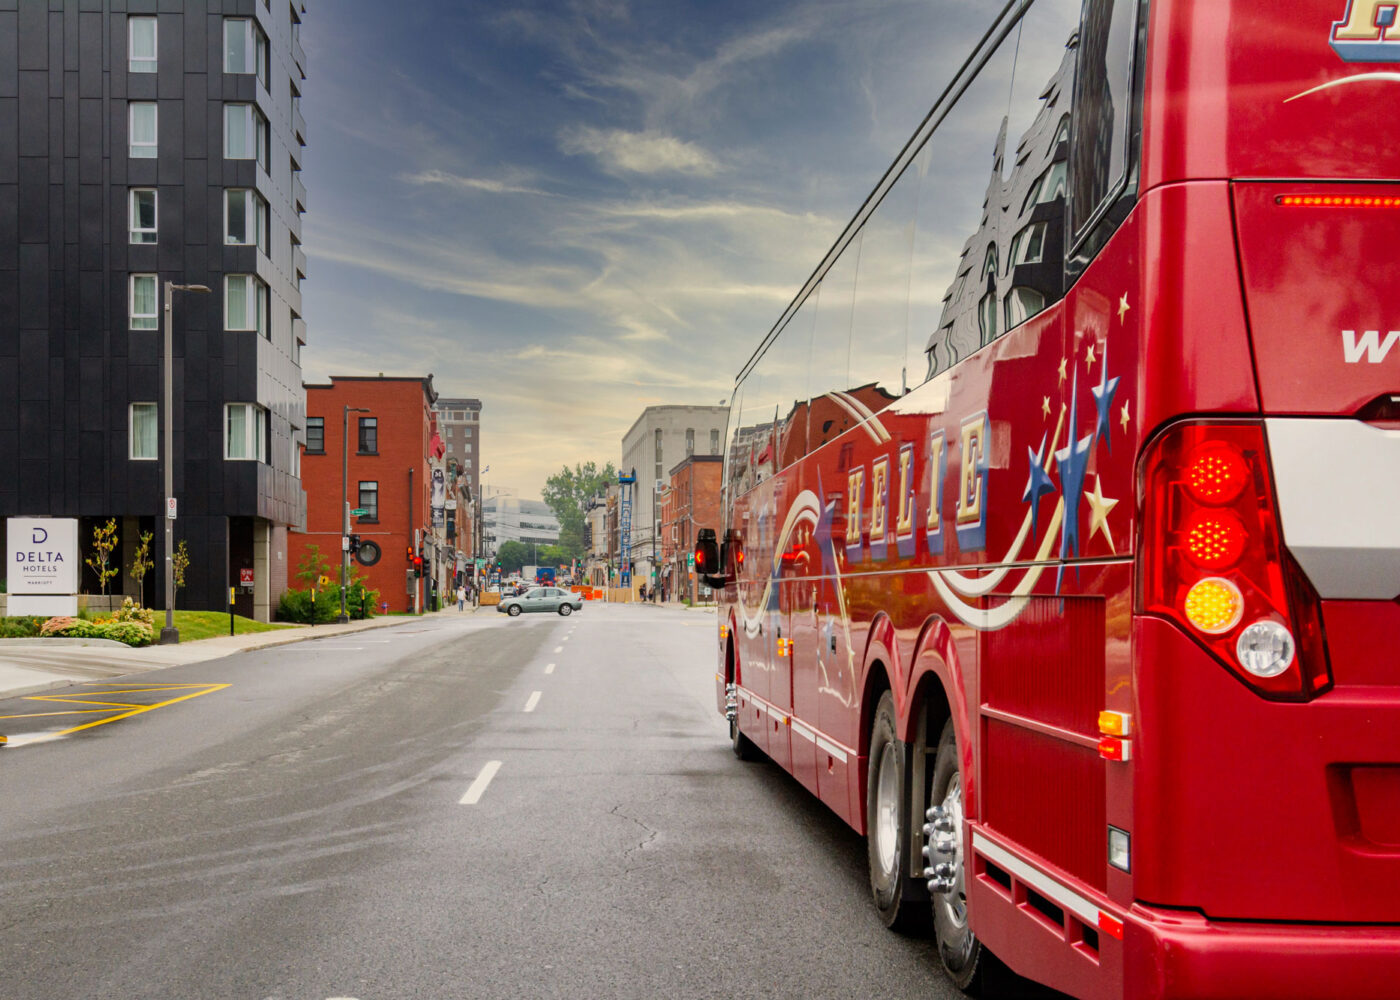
(534, 700)
(549, 669)
(478, 787)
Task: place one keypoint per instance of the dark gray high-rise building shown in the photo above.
(146, 141)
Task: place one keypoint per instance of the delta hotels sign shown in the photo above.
(42, 571)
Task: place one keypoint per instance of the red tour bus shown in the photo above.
(1060, 553)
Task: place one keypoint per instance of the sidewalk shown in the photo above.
(31, 665)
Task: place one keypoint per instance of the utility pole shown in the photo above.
(345, 505)
(170, 634)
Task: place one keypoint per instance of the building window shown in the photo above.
(245, 133)
(141, 44)
(143, 431)
(245, 303)
(714, 441)
(245, 432)
(689, 441)
(245, 48)
(316, 435)
(369, 501)
(369, 436)
(142, 297)
(141, 128)
(245, 218)
(142, 215)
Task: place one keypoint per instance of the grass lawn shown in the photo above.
(211, 624)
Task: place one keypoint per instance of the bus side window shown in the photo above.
(830, 413)
(1106, 125)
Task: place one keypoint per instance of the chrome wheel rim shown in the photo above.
(886, 826)
(954, 902)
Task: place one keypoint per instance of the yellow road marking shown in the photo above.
(134, 708)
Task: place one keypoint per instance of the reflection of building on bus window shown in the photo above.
(1024, 213)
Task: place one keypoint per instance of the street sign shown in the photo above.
(245, 576)
(359, 512)
(170, 508)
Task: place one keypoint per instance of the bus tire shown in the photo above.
(888, 826)
(744, 747)
(963, 957)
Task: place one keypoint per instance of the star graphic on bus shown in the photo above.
(1073, 461)
(1038, 485)
(1099, 509)
(1103, 402)
(1123, 307)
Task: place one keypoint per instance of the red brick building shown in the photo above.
(691, 502)
(389, 476)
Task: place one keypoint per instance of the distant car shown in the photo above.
(542, 599)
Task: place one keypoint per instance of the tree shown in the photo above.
(553, 555)
(180, 564)
(104, 540)
(512, 556)
(312, 566)
(567, 493)
(141, 563)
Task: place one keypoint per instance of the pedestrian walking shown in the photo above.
(461, 598)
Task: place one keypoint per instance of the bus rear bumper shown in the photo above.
(1171, 955)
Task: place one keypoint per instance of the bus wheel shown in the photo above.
(958, 947)
(888, 827)
(744, 747)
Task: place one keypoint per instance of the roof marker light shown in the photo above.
(1336, 201)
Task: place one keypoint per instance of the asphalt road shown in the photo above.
(324, 827)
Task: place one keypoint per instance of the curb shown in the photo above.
(280, 637)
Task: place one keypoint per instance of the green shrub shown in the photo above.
(23, 627)
(295, 605)
(133, 633)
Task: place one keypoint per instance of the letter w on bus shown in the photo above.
(1369, 346)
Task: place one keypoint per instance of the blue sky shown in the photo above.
(573, 210)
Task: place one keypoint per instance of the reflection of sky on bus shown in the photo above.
(573, 210)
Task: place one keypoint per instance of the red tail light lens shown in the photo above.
(1215, 539)
(1216, 473)
(1212, 558)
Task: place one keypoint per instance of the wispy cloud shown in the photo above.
(442, 177)
(620, 151)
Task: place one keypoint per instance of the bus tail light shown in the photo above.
(1212, 559)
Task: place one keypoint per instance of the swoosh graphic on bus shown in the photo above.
(868, 421)
(1343, 81)
(991, 619)
(804, 509)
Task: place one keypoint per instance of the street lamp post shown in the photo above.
(170, 634)
(345, 501)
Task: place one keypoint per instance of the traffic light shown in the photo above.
(417, 565)
(354, 544)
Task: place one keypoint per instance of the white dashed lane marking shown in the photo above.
(549, 669)
(534, 700)
(478, 787)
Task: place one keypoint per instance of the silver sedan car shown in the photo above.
(542, 599)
